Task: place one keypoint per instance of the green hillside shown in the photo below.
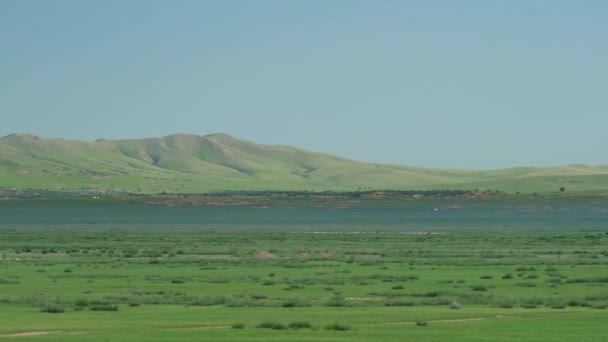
(193, 164)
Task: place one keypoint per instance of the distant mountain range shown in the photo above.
(184, 163)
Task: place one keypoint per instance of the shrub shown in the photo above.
(299, 325)
(279, 326)
(52, 308)
(421, 323)
(337, 327)
(81, 302)
(479, 288)
(104, 307)
(505, 305)
(294, 302)
(266, 325)
(208, 301)
(271, 325)
(486, 277)
(238, 325)
(507, 276)
(337, 302)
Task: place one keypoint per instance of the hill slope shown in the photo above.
(190, 164)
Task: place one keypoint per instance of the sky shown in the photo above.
(446, 84)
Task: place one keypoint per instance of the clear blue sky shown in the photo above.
(458, 84)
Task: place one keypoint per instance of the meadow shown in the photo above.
(527, 268)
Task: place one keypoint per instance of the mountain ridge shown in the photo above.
(193, 163)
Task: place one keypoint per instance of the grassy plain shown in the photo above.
(305, 269)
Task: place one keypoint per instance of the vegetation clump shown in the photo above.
(337, 327)
(52, 308)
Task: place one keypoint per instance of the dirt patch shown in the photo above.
(33, 333)
(218, 256)
(454, 320)
(207, 256)
(207, 327)
(32, 254)
(303, 255)
(361, 298)
(370, 256)
(324, 255)
(266, 255)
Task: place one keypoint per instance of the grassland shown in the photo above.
(192, 286)
(184, 163)
(525, 268)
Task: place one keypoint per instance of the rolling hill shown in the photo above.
(184, 163)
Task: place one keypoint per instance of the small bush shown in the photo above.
(294, 302)
(299, 325)
(337, 302)
(279, 326)
(398, 287)
(208, 301)
(271, 325)
(337, 327)
(507, 276)
(265, 325)
(486, 277)
(81, 302)
(421, 323)
(104, 307)
(505, 305)
(238, 325)
(479, 288)
(52, 308)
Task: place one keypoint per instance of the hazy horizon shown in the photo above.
(461, 85)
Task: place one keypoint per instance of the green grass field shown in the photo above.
(260, 272)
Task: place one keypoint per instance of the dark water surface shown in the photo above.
(425, 216)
